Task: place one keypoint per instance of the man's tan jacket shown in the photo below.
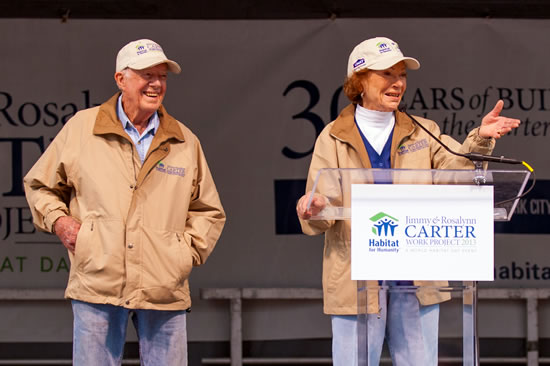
(340, 146)
(143, 226)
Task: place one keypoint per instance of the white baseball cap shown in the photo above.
(143, 53)
(378, 53)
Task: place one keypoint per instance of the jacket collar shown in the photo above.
(107, 122)
(345, 129)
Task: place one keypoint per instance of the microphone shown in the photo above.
(474, 157)
(491, 158)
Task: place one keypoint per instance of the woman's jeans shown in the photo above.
(411, 331)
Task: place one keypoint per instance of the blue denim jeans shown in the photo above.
(100, 331)
(410, 330)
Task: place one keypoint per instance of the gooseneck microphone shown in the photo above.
(471, 156)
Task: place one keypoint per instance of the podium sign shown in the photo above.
(422, 232)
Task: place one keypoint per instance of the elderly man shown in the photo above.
(127, 190)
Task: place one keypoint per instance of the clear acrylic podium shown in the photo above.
(457, 318)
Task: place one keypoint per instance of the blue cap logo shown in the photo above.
(358, 63)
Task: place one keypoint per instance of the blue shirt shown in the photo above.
(141, 142)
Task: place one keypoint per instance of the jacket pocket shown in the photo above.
(167, 260)
(82, 244)
(98, 259)
(187, 255)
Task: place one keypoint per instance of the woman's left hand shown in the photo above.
(494, 125)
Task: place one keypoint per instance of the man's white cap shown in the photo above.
(143, 53)
(378, 53)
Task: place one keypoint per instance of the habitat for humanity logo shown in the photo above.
(415, 146)
(384, 225)
(168, 169)
(141, 49)
(383, 47)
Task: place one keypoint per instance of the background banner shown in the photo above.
(257, 93)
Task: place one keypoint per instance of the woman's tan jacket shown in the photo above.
(340, 146)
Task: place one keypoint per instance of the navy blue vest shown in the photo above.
(382, 161)
(379, 161)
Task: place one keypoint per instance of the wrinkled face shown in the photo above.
(143, 90)
(383, 89)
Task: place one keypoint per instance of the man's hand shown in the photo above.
(494, 125)
(318, 203)
(66, 228)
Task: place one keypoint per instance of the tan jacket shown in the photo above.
(340, 146)
(143, 227)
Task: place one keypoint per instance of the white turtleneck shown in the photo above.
(375, 126)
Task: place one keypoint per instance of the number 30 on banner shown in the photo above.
(310, 116)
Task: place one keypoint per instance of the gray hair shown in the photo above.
(124, 72)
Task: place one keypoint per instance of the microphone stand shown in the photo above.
(479, 173)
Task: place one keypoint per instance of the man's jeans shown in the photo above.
(411, 332)
(100, 331)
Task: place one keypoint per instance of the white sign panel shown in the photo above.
(422, 232)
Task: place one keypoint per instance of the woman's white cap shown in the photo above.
(378, 53)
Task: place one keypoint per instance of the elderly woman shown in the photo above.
(366, 134)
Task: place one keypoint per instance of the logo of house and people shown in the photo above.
(384, 227)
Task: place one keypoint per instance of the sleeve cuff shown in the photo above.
(482, 141)
(50, 219)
